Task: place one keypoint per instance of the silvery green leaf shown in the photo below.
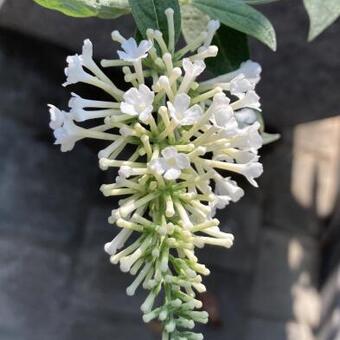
(107, 9)
(270, 137)
(322, 13)
(259, 2)
(241, 17)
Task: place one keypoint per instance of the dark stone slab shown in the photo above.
(266, 330)
(243, 219)
(44, 194)
(107, 328)
(99, 286)
(31, 76)
(227, 303)
(33, 290)
(277, 330)
(280, 209)
(285, 273)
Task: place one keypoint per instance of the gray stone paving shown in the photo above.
(33, 286)
(55, 280)
(33, 201)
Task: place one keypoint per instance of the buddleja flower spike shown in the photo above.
(186, 135)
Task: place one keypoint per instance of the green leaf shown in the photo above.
(322, 13)
(241, 17)
(194, 22)
(259, 2)
(150, 14)
(232, 50)
(270, 137)
(106, 9)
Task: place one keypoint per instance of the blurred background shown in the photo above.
(281, 280)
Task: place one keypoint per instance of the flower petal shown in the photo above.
(172, 174)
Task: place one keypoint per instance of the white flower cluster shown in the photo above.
(188, 138)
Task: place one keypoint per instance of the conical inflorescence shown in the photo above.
(187, 139)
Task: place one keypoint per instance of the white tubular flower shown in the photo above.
(193, 69)
(171, 164)
(223, 114)
(229, 188)
(213, 26)
(78, 103)
(138, 102)
(57, 117)
(240, 85)
(248, 138)
(249, 171)
(87, 52)
(118, 242)
(249, 100)
(181, 111)
(252, 170)
(74, 71)
(251, 70)
(133, 52)
(67, 135)
(245, 117)
(183, 142)
(239, 156)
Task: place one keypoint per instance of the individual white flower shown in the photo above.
(126, 131)
(226, 191)
(181, 111)
(251, 70)
(239, 156)
(193, 69)
(249, 100)
(133, 52)
(213, 26)
(249, 170)
(87, 52)
(171, 164)
(138, 102)
(67, 135)
(240, 85)
(253, 170)
(118, 242)
(223, 113)
(229, 188)
(74, 71)
(125, 171)
(57, 117)
(247, 138)
(78, 103)
(245, 117)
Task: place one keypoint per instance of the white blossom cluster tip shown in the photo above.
(188, 138)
